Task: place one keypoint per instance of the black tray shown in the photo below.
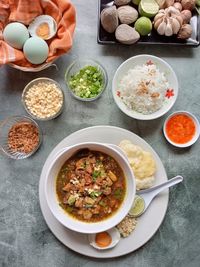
(104, 37)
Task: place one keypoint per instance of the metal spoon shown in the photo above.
(148, 195)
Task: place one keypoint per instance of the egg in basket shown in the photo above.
(33, 36)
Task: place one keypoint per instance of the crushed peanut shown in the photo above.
(44, 99)
(23, 137)
(126, 226)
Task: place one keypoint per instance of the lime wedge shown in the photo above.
(137, 207)
(148, 8)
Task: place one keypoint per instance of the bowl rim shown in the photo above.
(39, 67)
(25, 90)
(105, 74)
(34, 123)
(197, 132)
(96, 226)
(140, 116)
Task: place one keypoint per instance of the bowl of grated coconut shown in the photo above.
(43, 99)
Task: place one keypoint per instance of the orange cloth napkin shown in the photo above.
(25, 11)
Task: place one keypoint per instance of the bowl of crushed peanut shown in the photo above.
(20, 137)
(43, 99)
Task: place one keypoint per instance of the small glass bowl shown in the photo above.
(5, 127)
(76, 66)
(34, 82)
(197, 129)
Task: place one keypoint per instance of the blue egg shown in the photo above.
(36, 50)
(15, 34)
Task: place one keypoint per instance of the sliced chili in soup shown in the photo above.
(91, 186)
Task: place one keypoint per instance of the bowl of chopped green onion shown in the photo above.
(86, 79)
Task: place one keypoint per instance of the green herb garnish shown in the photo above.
(102, 203)
(118, 194)
(95, 194)
(88, 206)
(71, 200)
(65, 169)
(87, 83)
(62, 205)
(69, 209)
(103, 173)
(84, 165)
(95, 174)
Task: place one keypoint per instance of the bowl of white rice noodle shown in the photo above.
(145, 87)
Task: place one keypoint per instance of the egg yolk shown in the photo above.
(180, 128)
(103, 239)
(43, 30)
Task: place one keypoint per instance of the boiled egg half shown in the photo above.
(104, 240)
(43, 26)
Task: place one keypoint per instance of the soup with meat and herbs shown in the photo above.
(91, 186)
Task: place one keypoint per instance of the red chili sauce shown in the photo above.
(180, 128)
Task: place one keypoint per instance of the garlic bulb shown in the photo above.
(168, 29)
(188, 4)
(172, 11)
(178, 6)
(185, 31)
(168, 21)
(175, 25)
(186, 15)
(157, 23)
(161, 28)
(179, 18)
(169, 3)
(161, 3)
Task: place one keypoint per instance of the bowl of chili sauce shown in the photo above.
(181, 129)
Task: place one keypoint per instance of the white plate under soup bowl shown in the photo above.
(164, 67)
(67, 220)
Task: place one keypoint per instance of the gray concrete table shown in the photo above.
(25, 239)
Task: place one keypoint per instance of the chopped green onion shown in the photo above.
(65, 169)
(102, 203)
(95, 174)
(71, 200)
(84, 164)
(118, 193)
(69, 209)
(95, 194)
(88, 206)
(87, 83)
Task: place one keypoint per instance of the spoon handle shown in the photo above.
(157, 189)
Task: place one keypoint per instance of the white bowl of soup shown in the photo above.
(90, 187)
